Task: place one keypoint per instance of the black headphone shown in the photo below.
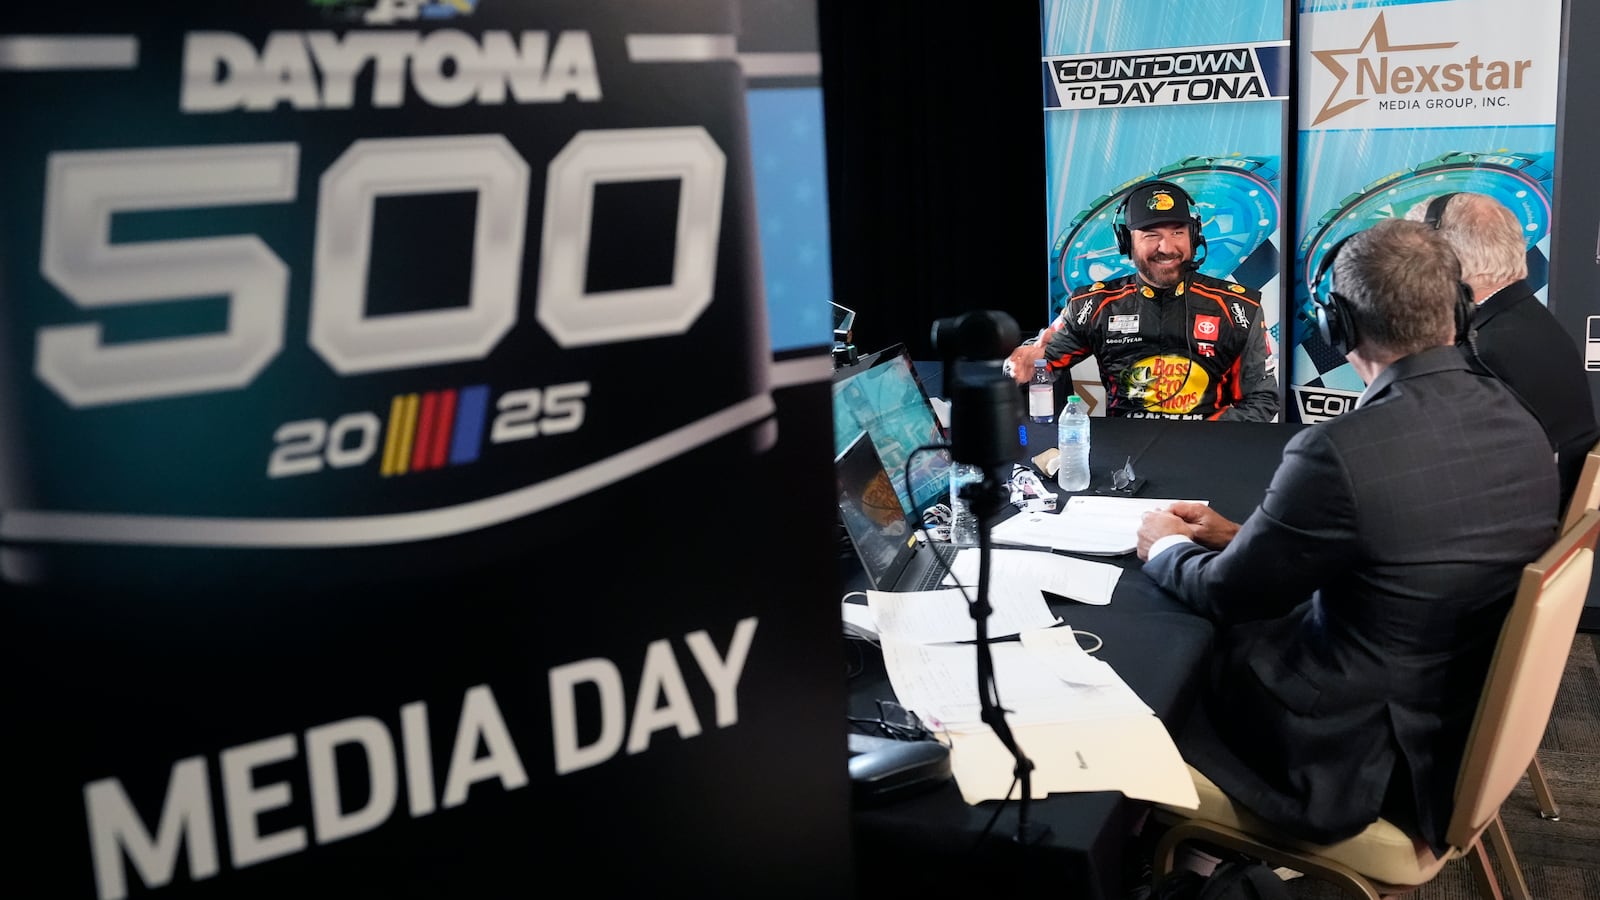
(1464, 304)
(1337, 326)
(1119, 227)
(1334, 322)
(1436, 209)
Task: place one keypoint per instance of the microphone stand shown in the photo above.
(983, 405)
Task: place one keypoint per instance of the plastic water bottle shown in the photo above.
(1041, 394)
(1072, 439)
(963, 523)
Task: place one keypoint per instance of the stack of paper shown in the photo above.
(1098, 526)
(1076, 720)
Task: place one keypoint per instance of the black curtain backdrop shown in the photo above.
(1575, 239)
(1575, 228)
(935, 165)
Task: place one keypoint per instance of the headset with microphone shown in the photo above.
(1197, 238)
(1197, 242)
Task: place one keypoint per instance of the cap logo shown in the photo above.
(1160, 201)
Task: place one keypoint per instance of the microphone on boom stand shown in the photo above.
(984, 411)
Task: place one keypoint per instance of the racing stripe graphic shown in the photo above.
(434, 429)
(402, 430)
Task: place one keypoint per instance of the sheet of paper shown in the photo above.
(1131, 754)
(1105, 526)
(1062, 650)
(1020, 572)
(939, 682)
(944, 616)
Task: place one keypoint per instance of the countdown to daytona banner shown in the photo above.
(1189, 91)
(1218, 74)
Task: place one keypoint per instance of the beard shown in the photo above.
(1162, 270)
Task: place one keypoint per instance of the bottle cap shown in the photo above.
(1074, 399)
(1040, 363)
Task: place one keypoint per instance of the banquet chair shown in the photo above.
(1385, 860)
(1587, 494)
(1585, 497)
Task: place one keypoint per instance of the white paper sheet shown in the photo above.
(1020, 572)
(939, 682)
(945, 616)
(1062, 650)
(1102, 526)
(1132, 754)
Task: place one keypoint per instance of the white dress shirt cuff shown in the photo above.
(1168, 542)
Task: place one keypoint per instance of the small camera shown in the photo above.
(845, 354)
(844, 323)
(978, 335)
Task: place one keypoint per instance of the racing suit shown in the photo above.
(1197, 350)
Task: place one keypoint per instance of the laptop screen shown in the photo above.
(882, 396)
(871, 513)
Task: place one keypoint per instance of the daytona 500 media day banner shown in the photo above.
(366, 369)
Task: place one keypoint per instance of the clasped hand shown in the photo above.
(1196, 521)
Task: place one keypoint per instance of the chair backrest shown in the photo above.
(1586, 495)
(1524, 677)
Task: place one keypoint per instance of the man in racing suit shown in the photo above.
(1170, 342)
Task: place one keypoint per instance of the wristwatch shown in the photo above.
(1237, 197)
(1521, 181)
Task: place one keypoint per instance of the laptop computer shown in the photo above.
(882, 396)
(885, 538)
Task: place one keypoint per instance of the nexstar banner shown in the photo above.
(1444, 64)
(1400, 103)
(1218, 74)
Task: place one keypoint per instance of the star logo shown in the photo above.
(1377, 37)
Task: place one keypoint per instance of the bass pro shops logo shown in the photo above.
(1410, 75)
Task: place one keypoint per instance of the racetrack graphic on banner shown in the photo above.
(1122, 106)
(1400, 103)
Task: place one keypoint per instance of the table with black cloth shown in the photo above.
(935, 841)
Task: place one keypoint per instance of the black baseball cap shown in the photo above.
(1157, 203)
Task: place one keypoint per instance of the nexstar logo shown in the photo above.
(1380, 69)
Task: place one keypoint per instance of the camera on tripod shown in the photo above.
(984, 401)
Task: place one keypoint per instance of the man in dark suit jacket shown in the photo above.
(1359, 604)
(1513, 335)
